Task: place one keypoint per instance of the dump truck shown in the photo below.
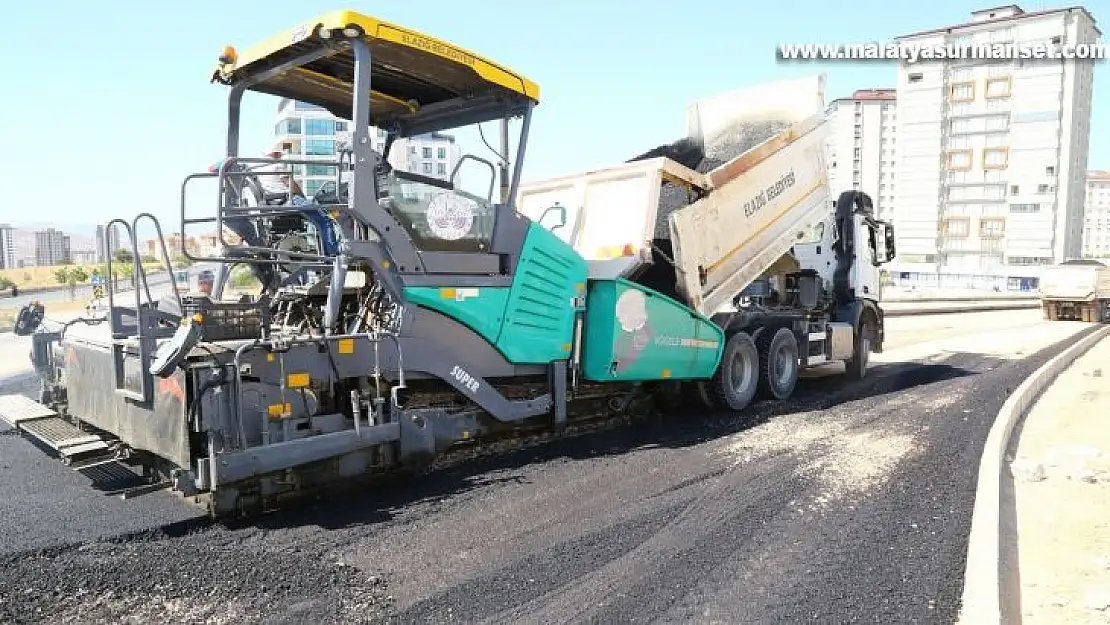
(446, 317)
(1076, 290)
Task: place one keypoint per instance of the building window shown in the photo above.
(959, 125)
(291, 126)
(412, 150)
(998, 87)
(427, 166)
(319, 127)
(1050, 171)
(961, 91)
(312, 186)
(992, 228)
(441, 169)
(319, 147)
(1042, 188)
(1013, 189)
(441, 153)
(996, 158)
(997, 122)
(427, 152)
(342, 127)
(1025, 208)
(959, 160)
(304, 106)
(319, 170)
(956, 227)
(916, 77)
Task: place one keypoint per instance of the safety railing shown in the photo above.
(233, 179)
(144, 332)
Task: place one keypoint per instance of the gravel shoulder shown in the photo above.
(847, 503)
(1061, 473)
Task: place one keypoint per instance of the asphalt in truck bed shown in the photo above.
(847, 503)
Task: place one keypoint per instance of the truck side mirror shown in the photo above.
(888, 238)
(561, 212)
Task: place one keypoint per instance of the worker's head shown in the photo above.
(275, 154)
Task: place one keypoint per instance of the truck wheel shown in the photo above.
(778, 363)
(736, 380)
(856, 367)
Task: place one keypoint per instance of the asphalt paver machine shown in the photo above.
(437, 317)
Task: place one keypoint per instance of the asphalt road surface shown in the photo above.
(848, 503)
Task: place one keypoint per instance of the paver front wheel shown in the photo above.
(736, 380)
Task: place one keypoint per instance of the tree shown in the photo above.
(124, 256)
(71, 276)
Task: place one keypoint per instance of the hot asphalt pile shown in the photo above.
(731, 142)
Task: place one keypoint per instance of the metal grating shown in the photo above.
(16, 409)
(63, 436)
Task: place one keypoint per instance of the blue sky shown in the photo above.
(108, 103)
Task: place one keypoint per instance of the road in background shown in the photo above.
(850, 501)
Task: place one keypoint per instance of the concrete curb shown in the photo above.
(981, 603)
(951, 310)
(955, 299)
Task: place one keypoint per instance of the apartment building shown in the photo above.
(7, 247)
(104, 237)
(861, 147)
(1096, 215)
(310, 132)
(52, 247)
(992, 154)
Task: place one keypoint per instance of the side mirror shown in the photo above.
(561, 212)
(888, 238)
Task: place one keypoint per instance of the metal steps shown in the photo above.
(74, 445)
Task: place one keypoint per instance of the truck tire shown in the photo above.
(734, 384)
(778, 363)
(856, 367)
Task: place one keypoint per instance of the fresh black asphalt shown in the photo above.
(704, 519)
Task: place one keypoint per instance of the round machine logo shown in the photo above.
(449, 216)
(632, 310)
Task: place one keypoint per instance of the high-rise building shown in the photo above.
(310, 132)
(105, 235)
(861, 146)
(992, 154)
(1096, 215)
(52, 248)
(7, 247)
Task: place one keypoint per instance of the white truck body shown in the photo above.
(757, 204)
(1077, 291)
(1074, 282)
(760, 247)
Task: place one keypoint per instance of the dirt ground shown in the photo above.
(1062, 486)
